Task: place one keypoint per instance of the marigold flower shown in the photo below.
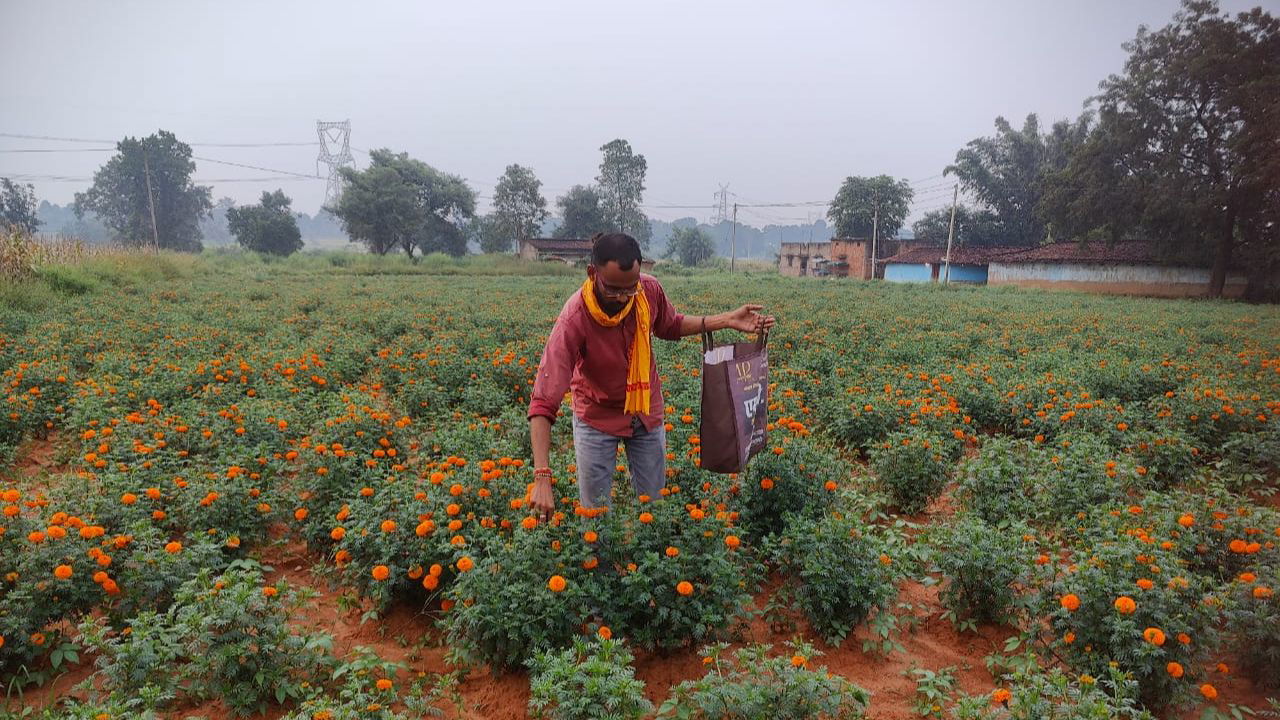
(590, 536)
(732, 541)
(388, 526)
(173, 547)
(381, 572)
(557, 584)
(1125, 605)
(646, 518)
(465, 563)
(604, 632)
(1000, 696)
(798, 661)
(1262, 592)
(672, 551)
(684, 587)
(270, 591)
(1070, 601)
(62, 572)
(1209, 691)
(1174, 669)
(384, 684)
(338, 533)
(1154, 636)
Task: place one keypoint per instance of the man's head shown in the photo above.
(614, 269)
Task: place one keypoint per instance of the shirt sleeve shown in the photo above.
(666, 321)
(555, 370)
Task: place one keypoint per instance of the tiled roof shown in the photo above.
(1138, 253)
(959, 255)
(581, 245)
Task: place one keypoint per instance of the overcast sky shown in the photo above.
(780, 99)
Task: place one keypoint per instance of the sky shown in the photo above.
(780, 100)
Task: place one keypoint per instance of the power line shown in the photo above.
(256, 167)
(56, 150)
(22, 136)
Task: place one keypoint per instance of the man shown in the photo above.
(601, 348)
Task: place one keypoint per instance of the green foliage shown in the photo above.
(933, 690)
(18, 206)
(593, 679)
(121, 197)
(1037, 694)
(842, 569)
(1253, 623)
(860, 200)
(518, 210)
(980, 564)
(620, 185)
(912, 468)
(402, 203)
(268, 227)
(1004, 174)
(581, 213)
(690, 245)
(972, 227)
(751, 685)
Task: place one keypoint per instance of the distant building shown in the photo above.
(837, 257)
(929, 264)
(1131, 268)
(571, 251)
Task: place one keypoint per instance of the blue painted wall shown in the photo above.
(966, 273)
(904, 272)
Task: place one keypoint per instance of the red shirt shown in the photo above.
(591, 359)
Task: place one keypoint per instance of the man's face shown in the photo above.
(614, 285)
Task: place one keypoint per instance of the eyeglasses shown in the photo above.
(608, 291)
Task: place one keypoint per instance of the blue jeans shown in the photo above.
(597, 457)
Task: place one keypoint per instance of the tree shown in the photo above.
(402, 203)
(973, 227)
(854, 209)
(268, 227)
(18, 206)
(121, 198)
(488, 232)
(621, 187)
(690, 245)
(1186, 143)
(518, 209)
(581, 213)
(1005, 173)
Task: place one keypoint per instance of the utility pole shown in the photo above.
(875, 222)
(151, 201)
(951, 233)
(733, 239)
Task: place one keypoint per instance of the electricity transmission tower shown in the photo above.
(722, 205)
(335, 151)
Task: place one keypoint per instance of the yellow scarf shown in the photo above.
(641, 352)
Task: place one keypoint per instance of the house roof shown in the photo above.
(580, 245)
(1139, 253)
(959, 255)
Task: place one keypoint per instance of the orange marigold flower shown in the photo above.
(1155, 636)
(604, 632)
(1000, 696)
(1125, 605)
(1186, 520)
(384, 684)
(388, 526)
(529, 523)
(381, 572)
(1262, 592)
(1070, 601)
(270, 591)
(1209, 691)
(684, 587)
(338, 533)
(62, 572)
(128, 498)
(672, 551)
(465, 563)
(590, 536)
(1145, 584)
(732, 541)
(646, 517)
(798, 661)
(1174, 669)
(557, 584)
(1238, 546)
(173, 547)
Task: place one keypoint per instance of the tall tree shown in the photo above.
(690, 246)
(621, 187)
(1005, 173)
(862, 202)
(581, 213)
(268, 227)
(402, 203)
(1186, 144)
(973, 227)
(518, 208)
(149, 178)
(18, 206)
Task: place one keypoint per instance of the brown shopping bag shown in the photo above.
(735, 401)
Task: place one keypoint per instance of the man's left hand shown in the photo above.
(749, 320)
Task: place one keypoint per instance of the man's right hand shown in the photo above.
(542, 500)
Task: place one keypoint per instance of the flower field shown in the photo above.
(302, 492)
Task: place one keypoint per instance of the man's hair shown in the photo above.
(618, 247)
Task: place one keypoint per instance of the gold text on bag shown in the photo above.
(744, 370)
